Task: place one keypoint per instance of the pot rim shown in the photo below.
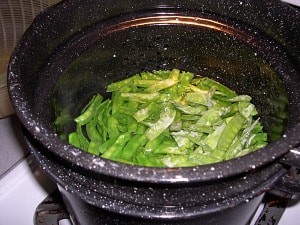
(102, 166)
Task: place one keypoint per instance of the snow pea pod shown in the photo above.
(228, 134)
(167, 116)
(122, 83)
(104, 146)
(115, 149)
(210, 116)
(153, 144)
(84, 143)
(112, 127)
(220, 87)
(166, 83)
(132, 146)
(74, 140)
(144, 160)
(145, 112)
(140, 97)
(187, 109)
(93, 133)
(94, 148)
(88, 113)
(144, 83)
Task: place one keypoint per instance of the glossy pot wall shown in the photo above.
(76, 48)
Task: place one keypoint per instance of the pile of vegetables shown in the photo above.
(169, 119)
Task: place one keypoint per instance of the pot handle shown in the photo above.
(292, 158)
(290, 182)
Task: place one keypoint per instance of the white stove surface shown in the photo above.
(23, 185)
(21, 190)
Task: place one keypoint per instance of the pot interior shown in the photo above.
(237, 56)
(62, 77)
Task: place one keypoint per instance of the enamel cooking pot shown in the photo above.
(76, 48)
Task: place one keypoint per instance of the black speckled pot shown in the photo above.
(75, 48)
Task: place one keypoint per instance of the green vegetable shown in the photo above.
(132, 146)
(166, 118)
(89, 111)
(116, 148)
(169, 119)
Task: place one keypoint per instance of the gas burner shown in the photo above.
(51, 210)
